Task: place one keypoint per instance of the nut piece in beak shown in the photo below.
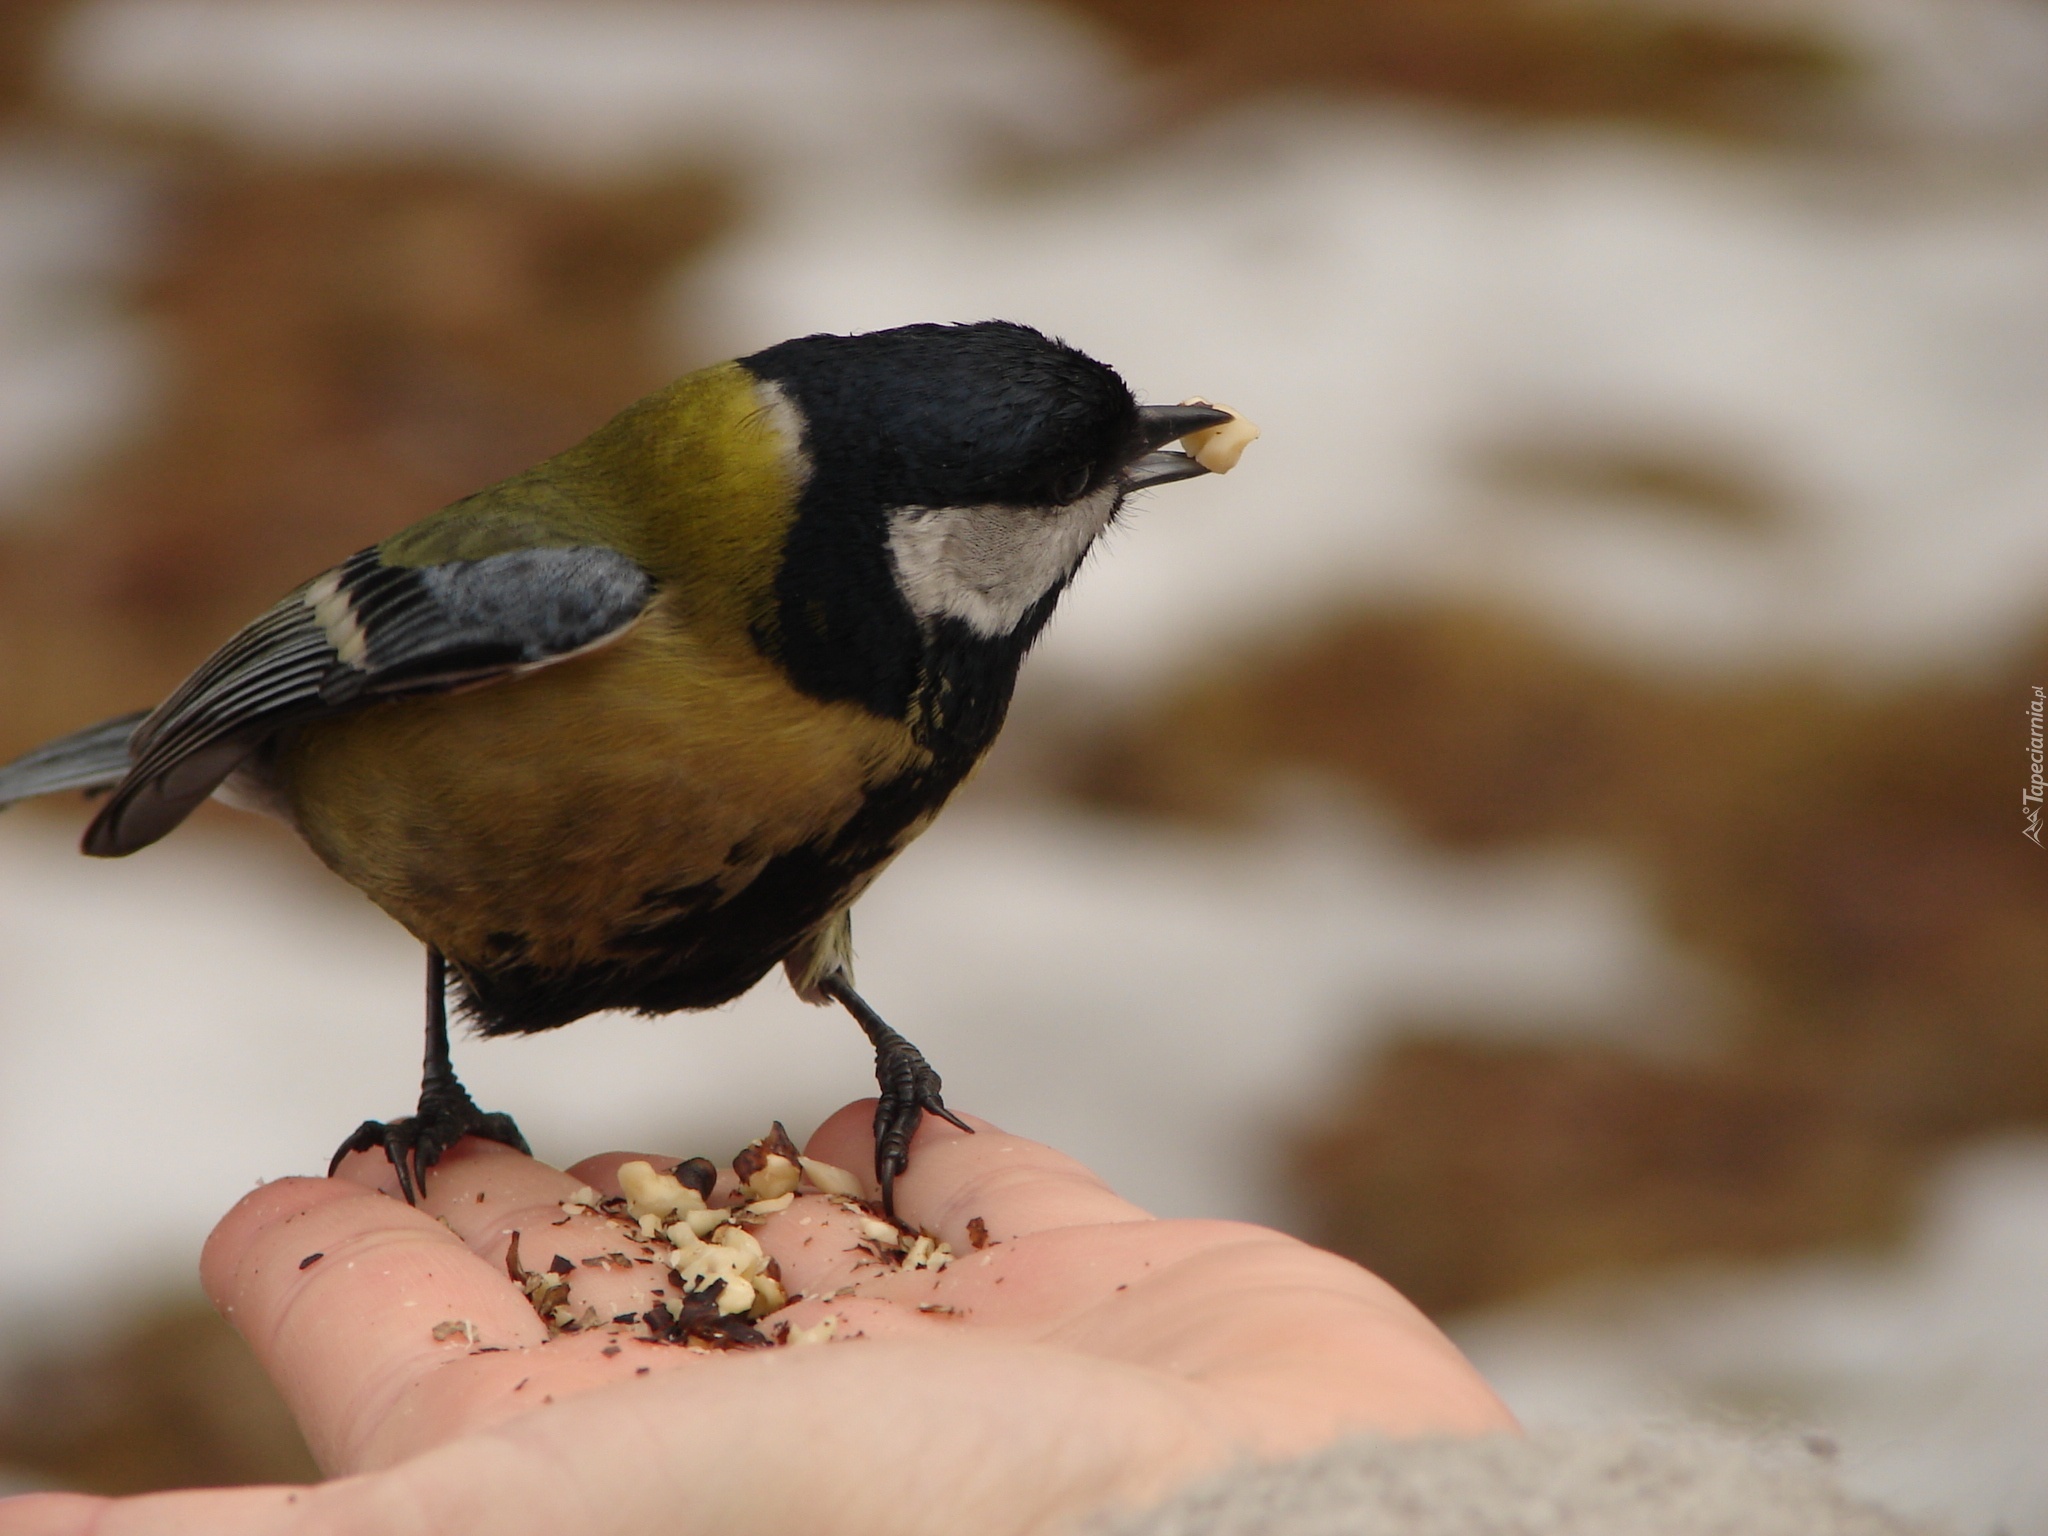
(1218, 448)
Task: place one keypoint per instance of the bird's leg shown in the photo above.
(446, 1112)
(909, 1088)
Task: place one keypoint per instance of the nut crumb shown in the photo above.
(927, 1252)
(699, 1224)
(770, 1166)
(876, 1230)
(819, 1332)
(830, 1180)
(661, 1195)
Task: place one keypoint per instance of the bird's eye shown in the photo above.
(1070, 485)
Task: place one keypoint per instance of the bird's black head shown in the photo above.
(955, 477)
(954, 415)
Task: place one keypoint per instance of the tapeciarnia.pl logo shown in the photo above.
(2030, 797)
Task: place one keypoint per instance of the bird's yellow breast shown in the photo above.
(553, 808)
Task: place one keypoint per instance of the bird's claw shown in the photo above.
(910, 1090)
(420, 1140)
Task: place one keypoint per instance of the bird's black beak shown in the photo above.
(1159, 425)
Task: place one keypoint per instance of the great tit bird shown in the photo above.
(631, 728)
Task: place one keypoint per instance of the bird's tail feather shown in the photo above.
(94, 758)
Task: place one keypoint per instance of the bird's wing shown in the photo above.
(94, 758)
(364, 631)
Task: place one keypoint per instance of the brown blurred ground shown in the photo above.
(24, 26)
(172, 1399)
(1541, 58)
(1851, 865)
(1469, 1170)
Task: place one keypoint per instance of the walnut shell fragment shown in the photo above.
(698, 1173)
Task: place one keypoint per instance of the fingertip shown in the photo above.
(847, 1138)
(1006, 1185)
(282, 1201)
(474, 1155)
(845, 1133)
(369, 1170)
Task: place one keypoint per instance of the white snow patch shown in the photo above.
(75, 370)
(1930, 1370)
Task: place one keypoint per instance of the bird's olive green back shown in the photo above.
(697, 482)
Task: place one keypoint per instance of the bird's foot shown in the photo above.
(420, 1140)
(910, 1089)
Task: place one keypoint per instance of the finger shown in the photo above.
(211, 1512)
(1012, 1186)
(49, 1514)
(823, 1246)
(341, 1293)
(598, 1276)
(493, 1196)
(475, 1188)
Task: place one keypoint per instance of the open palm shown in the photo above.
(1077, 1355)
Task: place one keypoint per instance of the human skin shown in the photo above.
(1090, 1357)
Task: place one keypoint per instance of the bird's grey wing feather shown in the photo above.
(363, 631)
(94, 758)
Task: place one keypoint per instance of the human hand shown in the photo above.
(1090, 1357)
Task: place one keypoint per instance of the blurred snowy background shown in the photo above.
(1548, 827)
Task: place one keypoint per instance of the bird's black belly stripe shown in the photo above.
(681, 953)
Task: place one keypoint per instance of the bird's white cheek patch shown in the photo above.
(785, 419)
(988, 566)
